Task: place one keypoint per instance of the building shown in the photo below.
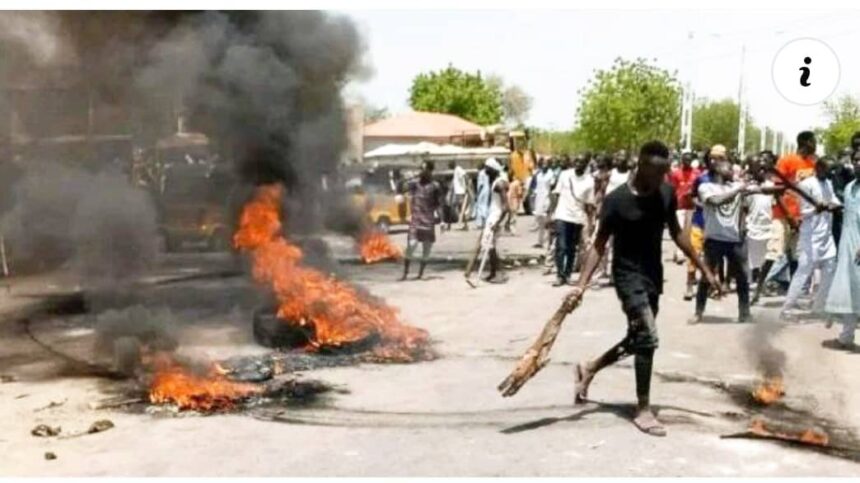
(415, 127)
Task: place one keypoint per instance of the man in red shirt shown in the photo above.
(682, 179)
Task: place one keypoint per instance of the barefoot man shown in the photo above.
(635, 215)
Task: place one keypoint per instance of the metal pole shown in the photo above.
(687, 100)
(742, 122)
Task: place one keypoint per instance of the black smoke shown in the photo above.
(265, 87)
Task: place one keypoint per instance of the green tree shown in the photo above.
(716, 122)
(555, 142)
(629, 104)
(844, 117)
(453, 91)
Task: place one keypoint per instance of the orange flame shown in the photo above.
(769, 391)
(808, 436)
(175, 384)
(375, 246)
(334, 309)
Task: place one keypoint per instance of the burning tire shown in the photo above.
(383, 224)
(272, 332)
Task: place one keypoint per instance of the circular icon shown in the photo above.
(805, 71)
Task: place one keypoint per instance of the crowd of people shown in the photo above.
(765, 225)
(758, 225)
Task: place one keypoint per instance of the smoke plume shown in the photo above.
(263, 86)
(760, 349)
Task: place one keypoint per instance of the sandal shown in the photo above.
(648, 424)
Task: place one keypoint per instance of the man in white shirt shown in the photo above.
(620, 173)
(543, 187)
(574, 201)
(759, 218)
(459, 187)
(815, 242)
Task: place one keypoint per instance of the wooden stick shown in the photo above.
(3, 256)
(793, 187)
(114, 403)
(463, 205)
(474, 284)
(476, 253)
(535, 358)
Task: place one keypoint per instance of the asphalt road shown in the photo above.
(444, 417)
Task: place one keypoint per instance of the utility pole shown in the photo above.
(742, 110)
(763, 141)
(687, 101)
(687, 117)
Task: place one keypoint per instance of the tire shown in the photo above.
(383, 224)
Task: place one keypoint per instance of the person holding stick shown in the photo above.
(816, 244)
(722, 198)
(635, 215)
(790, 169)
(497, 212)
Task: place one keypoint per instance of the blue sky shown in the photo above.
(552, 53)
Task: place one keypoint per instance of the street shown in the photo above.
(444, 417)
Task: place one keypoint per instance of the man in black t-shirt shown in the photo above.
(635, 215)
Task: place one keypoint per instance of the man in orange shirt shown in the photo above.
(795, 167)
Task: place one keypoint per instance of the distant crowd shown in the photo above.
(767, 225)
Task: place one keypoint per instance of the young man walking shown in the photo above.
(635, 215)
(426, 203)
(543, 180)
(574, 194)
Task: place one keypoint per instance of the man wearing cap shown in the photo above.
(722, 202)
(497, 210)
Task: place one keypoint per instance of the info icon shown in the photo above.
(805, 71)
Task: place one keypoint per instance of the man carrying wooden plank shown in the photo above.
(635, 215)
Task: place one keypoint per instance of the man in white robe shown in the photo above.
(843, 301)
(815, 244)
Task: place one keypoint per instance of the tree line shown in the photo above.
(620, 107)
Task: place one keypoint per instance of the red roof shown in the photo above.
(421, 125)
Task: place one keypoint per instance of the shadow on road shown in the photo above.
(624, 411)
(713, 319)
